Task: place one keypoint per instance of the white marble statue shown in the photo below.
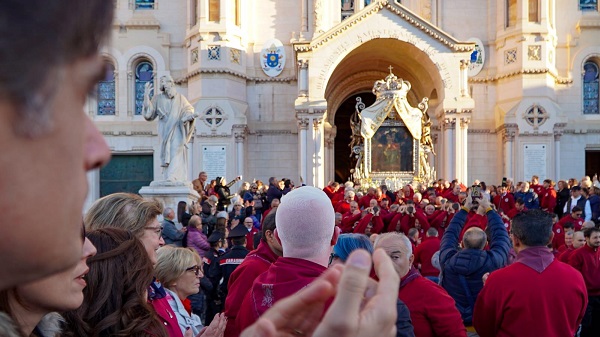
(176, 122)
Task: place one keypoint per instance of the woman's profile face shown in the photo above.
(59, 292)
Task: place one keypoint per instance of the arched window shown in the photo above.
(590, 88)
(144, 73)
(106, 92)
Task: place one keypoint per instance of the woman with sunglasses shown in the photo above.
(180, 270)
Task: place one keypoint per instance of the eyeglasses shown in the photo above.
(196, 269)
(157, 230)
(332, 257)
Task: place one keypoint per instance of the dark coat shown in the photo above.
(462, 269)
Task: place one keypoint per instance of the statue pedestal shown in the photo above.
(170, 193)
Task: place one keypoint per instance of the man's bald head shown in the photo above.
(474, 238)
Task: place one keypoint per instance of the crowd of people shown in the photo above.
(441, 260)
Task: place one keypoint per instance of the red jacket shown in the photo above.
(283, 278)
(376, 223)
(504, 203)
(504, 306)
(548, 198)
(577, 223)
(587, 261)
(250, 238)
(365, 200)
(407, 222)
(432, 310)
(565, 255)
(166, 316)
(240, 281)
(329, 191)
(348, 222)
(342, 207)
(424, 253)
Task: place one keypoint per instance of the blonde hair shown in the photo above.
(123, 210)
(172, 263)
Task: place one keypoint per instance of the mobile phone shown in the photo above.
(476, 192)
(375, 209)
(410, 209)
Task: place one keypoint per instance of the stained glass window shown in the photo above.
(588, 5)
(590, 88)
(144, 73)
(106, 92)
(144, 4)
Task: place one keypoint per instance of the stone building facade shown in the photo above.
(512, 84)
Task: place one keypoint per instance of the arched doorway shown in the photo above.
(343, 160)
(354, 77)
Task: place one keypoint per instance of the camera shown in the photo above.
(375, 209)
(410, 209)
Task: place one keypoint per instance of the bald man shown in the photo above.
(462, 269)
(432, 310)
(307, 233)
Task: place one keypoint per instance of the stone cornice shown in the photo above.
(376, 6)
(198, 72)
(270, 132)
(557, 79)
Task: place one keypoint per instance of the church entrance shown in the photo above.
(343, 159)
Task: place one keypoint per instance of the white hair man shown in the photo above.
(307, 232)
(432, 310)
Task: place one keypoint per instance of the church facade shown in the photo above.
(512, 85)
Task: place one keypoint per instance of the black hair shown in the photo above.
(532, 227)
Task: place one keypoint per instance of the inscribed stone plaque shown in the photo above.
(214, 161)
(534, 161)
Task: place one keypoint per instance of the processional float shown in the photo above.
(391, 141)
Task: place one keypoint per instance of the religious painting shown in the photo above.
(392, 149)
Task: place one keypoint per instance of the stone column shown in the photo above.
(318, 159)
(358, 5)
(302, 78)
(508, 139)
(304, 21)
(557, 135)
(463, 157)
(240, 136)
(449, 141)
(302, 127)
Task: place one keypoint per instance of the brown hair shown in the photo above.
(115, 302)
(71, 29)
(123, 210)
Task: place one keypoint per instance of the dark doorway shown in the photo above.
(592, 162)
(343, 162)
(126, 173)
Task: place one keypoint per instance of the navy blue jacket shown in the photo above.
(530, 199)
(462, 269)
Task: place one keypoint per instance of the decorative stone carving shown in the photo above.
(302, 123)
(317, 122)
(213, 117)
(508, 132)
(194, 56)
(535, 116)
(236, 56)
(214, 53)
(510, 56)
(534, 52)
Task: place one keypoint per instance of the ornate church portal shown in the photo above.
(420, 108)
